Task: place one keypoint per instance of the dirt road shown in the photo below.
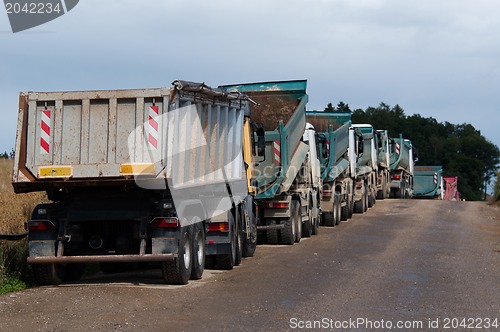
(414, 262)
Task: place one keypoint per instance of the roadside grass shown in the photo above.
(15, 210)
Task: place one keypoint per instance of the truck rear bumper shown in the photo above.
(101, 259)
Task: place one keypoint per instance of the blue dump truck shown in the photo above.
(338, 155)
(287, 177)
(428, 182)
(402, 168)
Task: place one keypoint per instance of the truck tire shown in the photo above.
(366, 198)
(249, 246)
(48, 274)
(344, 210)
(288, 233)
(371, 201)
(299, 223)
(198, 252)
(239, 238)
(178, 271)
(350, 200)
(315, 230)
(337, 209)
(250, 242)
(328, 219)
(228, 261)
(272, 236)
(360, 206)
(307, 225)
(74, 272)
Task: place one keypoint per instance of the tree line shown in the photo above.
(459, 148)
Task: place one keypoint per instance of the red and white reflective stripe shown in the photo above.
(45, 132)
(153, 127)
(277, 152)
(435, 178)
(397, 148)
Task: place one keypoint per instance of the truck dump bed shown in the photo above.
(189, 134)
(280, 107)
(333, 132)
(323, 120)
(400, 154)
(428, 181)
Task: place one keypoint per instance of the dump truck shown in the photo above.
(136, 176)
(428, 182)
(451, 192)
(366, 168)
(287, 177)
(402, 168)
(383, 164)
(338, 156)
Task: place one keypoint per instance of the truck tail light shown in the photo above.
(40, 225)
(218, 227)
(396, 177)
(276, 205)
(165, 223)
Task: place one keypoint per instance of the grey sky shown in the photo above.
(435, 58)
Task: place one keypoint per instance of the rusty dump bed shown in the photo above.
(273, 101)
(188, 133)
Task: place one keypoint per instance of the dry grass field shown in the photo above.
(15, 210)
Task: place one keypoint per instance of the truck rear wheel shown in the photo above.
(298, 225)
(381, 194)
(249, 240)
(307, 225)
(178, 271)
(371, 200)
(198, 252)
(344, 210)
(239, 237)
(360, 206)
(366, 198)
(272, 236)
(48, 274)
(328, 219)
(336, 206)
(250, 244)
(350, 200)
(228, 261)
(288, 233)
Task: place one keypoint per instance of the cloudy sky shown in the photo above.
(433, 57)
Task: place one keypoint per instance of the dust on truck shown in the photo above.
(287, 176)
(337, 154)
(134, 176)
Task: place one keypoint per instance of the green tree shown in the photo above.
(330, 108)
